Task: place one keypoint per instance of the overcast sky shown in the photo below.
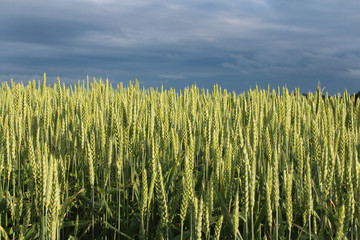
(237, 44)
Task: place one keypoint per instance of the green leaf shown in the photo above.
(64, 210)
(3, 233)
(260, 218)
(2, 205)
(32, 232)
(73, 223)
(117, 231)
(226, 213)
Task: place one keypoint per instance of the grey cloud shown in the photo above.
(353, 73)
(171, 76)
(234, 43)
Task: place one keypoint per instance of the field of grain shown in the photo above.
(91, 161)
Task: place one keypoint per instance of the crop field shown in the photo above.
(90, 161)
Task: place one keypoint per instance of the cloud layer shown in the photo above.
(237, 44)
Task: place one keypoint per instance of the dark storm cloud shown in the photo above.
(236, 44)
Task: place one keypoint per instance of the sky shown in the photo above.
(237, 44)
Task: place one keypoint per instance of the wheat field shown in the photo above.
(90, 161)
